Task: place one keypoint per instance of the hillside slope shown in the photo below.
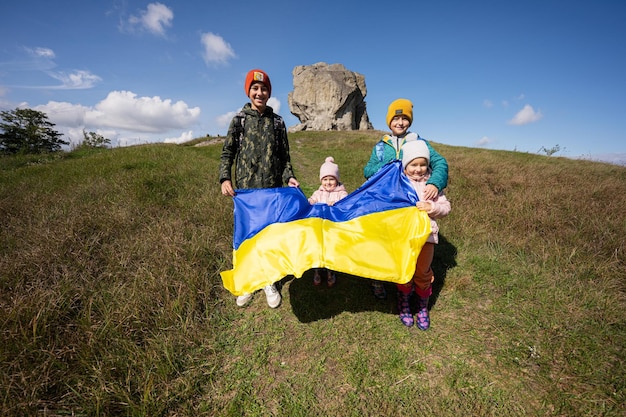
(111, 301)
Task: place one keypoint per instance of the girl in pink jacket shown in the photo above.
(330, 191)
(415, 161)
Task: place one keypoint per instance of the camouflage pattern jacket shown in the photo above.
(257, 145)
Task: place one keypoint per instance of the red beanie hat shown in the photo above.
(257, 75)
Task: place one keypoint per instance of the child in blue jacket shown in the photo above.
(389, 148)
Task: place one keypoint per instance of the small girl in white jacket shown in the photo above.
(330, 191)
(415, 160)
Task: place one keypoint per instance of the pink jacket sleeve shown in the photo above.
(441, 207)
(316, 197)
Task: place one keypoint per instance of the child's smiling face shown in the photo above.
(399, 125)
(329, 183)
(258, 95)
(416, 169)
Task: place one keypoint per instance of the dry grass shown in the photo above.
(111, 301)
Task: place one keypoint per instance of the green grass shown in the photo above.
(111, 301)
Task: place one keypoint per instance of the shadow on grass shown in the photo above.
(350, 293)
(354, 294)
(443, 261)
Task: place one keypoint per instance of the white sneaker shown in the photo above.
(272, 295)
(242, 300)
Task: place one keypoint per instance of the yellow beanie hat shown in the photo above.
(398, 107)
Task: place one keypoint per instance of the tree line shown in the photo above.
(28, 131)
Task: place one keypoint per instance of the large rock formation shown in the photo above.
(328, 97)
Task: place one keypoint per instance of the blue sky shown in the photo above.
(495, 74)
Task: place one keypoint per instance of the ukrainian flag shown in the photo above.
(375, 232)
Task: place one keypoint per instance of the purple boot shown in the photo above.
(404, 309)
(423, 320)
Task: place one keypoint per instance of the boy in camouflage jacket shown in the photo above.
(257, 145)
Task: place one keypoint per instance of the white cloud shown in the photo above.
(525, 116)
(184, 137)
(32, 59)
(124, 110)
(484, 141)
(123, 116)
(42, 59)
(224, 119)
(216, 50)
(64, 114)
(274, 103)
(41, 52)
(487, 103)
(78, 80)
(154, 19)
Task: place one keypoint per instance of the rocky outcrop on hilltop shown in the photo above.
(328, 97)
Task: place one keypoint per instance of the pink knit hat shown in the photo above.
(329, 167)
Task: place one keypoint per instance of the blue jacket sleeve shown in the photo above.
(439, 166)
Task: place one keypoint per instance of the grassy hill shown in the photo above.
(111, 301)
